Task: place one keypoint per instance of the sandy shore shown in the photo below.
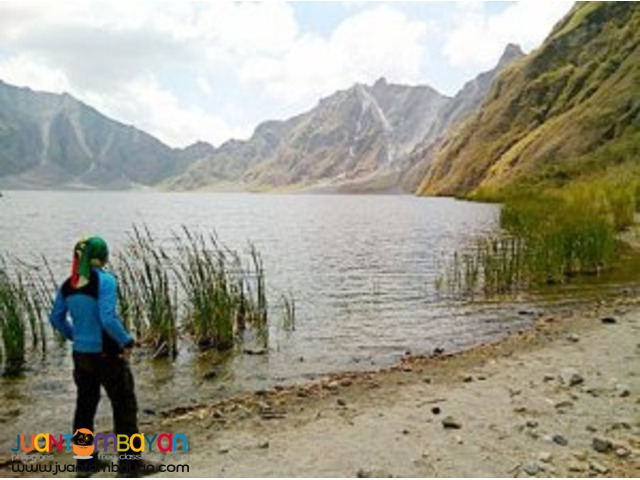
(560, 400)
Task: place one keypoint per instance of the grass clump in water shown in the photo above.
(195, 285)
(24, 302)
(224, 297)
(148, 297)
(12, 325)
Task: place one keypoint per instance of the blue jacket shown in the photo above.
(95, 326)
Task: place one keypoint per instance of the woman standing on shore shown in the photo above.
(101, 344)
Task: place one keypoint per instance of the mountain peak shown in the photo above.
(381, 82)
(511, 52)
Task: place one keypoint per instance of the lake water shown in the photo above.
(361, 270)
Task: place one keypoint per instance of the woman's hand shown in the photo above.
(126, 354)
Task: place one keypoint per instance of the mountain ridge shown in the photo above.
(50, 140)
(359, 139)
(355, 140)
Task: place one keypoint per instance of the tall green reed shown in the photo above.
(288, 312)
(24, 302)
(148, 297)
(546, 238)
(224, 297)
(12, 326)
(212, 301)
(253, 278)
(563, 235)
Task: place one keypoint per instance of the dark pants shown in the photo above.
(113, 373)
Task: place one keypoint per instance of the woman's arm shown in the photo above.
(58, 317)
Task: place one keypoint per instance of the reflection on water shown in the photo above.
(361, 269)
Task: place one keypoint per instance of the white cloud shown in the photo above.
(172, 68)
(382, 41)
(479, 38)
(105, 51)
(162, 114)
(377, 42)
(22, 71)
(142, 102)
(112, 55)
(247, 27)
(204, 85)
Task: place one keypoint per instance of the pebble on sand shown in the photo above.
(622, 452)
(560, 440)
(531, 468)
(575, 466)
(563, 405)
(571, 377)
(575, 379)
(598, 467)
(580, 455)
(333, 386)
(623, 390)
(601, 445)
(544, 457)
(450, 422)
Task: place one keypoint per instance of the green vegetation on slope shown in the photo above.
(568, 111)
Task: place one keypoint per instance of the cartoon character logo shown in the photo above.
(83, 443)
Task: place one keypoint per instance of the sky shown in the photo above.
(213, 70)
